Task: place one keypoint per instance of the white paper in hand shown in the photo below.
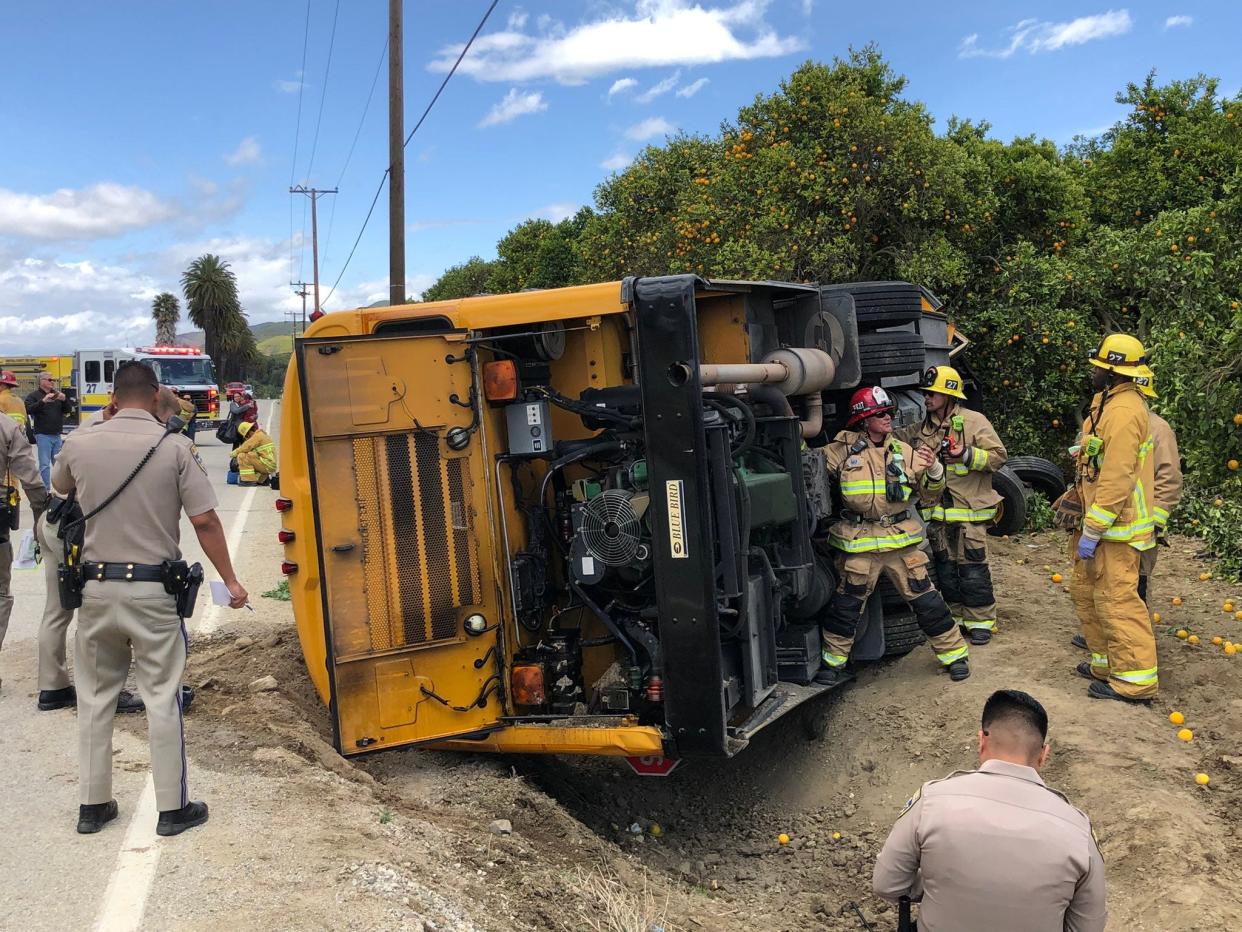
(220, 593)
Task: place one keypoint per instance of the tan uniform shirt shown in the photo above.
(970, 492)
(1168, 490)
(18, 463)
(143, 524)
(993, 849)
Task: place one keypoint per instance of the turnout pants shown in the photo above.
(961, 553)
(113, 615)
(857, 575)
(6, 591)
(251, 468)
(1114, 618)
(53, 629)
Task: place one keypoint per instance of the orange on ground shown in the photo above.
(1218, 640)
(1193, 639)
(782, 838)
(1202, 779)
(1204, 577)
(1231, 649)
(1057, 577)
(1186, 734)
(1177, 718)
(1177, 600)
(1155, 617)
(1183, 633)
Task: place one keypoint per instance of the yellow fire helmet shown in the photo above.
(1123, 354)
(244, 428)
(1147, 383)
(945, 380)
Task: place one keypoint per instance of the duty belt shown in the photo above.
(854, 517)
(126, 572)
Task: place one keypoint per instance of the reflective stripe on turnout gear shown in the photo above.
(957, 515)
(870, 544)
(1137, 677)
(951, 656)
(832, 660)
(970, 624)
(1099, 660)
(864, 488)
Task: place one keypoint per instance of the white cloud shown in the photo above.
(557, 212)
(660, 89)
(1035, 36)
(691, 89)
(247, 152)
(99, 211)
(1174, 21)
(616, 162)
(513, 106)
(289, 87)
(657, 33)
(620, 85)
(517, 19)
(807, 7)
(649, 129)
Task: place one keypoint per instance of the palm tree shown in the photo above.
(210, 289)
(166, 310)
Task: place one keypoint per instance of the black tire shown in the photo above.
(902, 633)
(1011, 512)
(882, 304)
(1040, 474)
(890, 353)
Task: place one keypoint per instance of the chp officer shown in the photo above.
(133, 477)
(17, 464)
(995, 848)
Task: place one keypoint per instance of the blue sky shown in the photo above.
(142, 133)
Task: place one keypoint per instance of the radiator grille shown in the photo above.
(419, 550)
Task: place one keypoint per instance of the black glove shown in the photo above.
(233, 464)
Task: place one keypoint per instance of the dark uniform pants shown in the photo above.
(53, 629)
(6, 594)
(961, 552)
(113, 616)
(906, 568)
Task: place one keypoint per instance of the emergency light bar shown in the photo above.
(169, 350)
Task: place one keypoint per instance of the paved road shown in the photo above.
(53, 878)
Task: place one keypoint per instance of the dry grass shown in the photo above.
(606, 903)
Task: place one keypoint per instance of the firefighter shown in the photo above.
(256, 457)
(1114, 478)
(957, 526)
(10, 404)
(879, 533)
(1167, 491)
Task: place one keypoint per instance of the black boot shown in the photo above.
(959, 670)
(1098, 690)
(1084, 670)
(979, 636)
(832, 676)
(127, 702)
(64, 698)
(93, 817)
(1079, 641)
(187, 698)
(176, 821)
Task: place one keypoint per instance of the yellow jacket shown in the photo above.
(969, 495)
(261, 445)
(1168, 465)
(860, 469)
(1115, 480)
(13, 406)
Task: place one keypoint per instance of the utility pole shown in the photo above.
(314, 194)
(299, 288)
(396, 158)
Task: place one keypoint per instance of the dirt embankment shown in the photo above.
(594, 847)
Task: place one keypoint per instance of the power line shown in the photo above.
(388, 170)
(323, 92)
(297, 133)
(357, 133)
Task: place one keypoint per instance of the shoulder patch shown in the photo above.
(918, 794)
(198, 459)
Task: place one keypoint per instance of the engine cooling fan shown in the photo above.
(610, 528)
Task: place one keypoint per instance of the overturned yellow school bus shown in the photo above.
(581, 520)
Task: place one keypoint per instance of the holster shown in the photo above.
(69, 583)
(182, 581)
(10, 511)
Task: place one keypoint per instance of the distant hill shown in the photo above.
(273, 337)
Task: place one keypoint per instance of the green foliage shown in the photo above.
(386, 815)
(461, 281)
(268, 375)
(1037, 251)
(1039, 513)
(212, 303)
(280, 593)
(166, 311)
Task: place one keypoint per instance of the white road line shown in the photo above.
(210, 619)
(125, 900)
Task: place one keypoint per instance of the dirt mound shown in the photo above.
(593, 846)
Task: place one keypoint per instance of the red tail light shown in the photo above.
(283, 504)
(288, 568)
(285, 537)
(315, 315)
